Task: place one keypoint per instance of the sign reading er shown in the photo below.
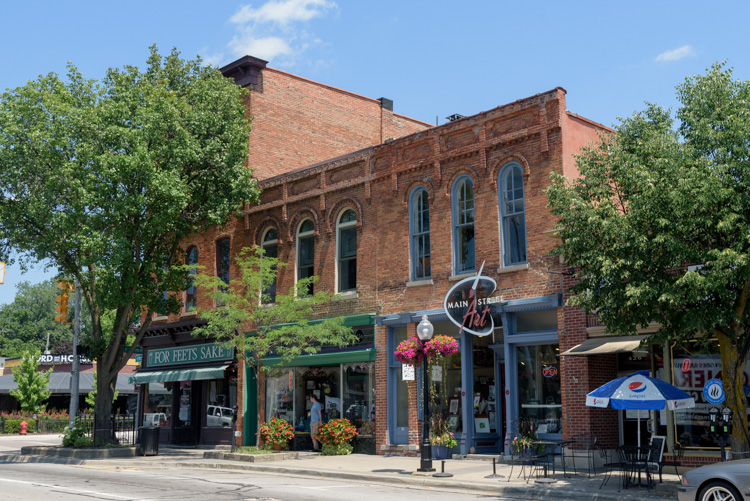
(468, 304)
(189, 355)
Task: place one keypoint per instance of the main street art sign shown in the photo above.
(468, 304)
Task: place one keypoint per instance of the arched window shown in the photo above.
(419, 229)
(222, 262)
(270, 244)
(512, 214)
(346, 243)
(306, 251)
(191, 294)
(464, 256)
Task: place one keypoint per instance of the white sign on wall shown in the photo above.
(408, 373)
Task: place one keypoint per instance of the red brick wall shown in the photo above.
(298, 122)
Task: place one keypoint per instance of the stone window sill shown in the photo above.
(515, 267)
(419, 283)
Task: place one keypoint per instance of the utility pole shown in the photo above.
(75, 373)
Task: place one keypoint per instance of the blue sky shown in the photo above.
(432, 58)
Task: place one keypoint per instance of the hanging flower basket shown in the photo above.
(410, 351)
(440, 346)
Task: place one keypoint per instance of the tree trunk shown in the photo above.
(733, 379)
(105, 390)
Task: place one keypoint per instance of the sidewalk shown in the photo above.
(469, 475)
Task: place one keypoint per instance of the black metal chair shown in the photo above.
(582, 446)
(523, 458)
(634, 461)
(609, 464)
(677, 454)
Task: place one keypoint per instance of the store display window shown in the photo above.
(539, 396)
(158, 405)
(359, 397)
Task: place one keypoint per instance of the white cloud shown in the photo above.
(276, 28)
(675, 55)
(214, 59)
(282, 12)
(265, 48)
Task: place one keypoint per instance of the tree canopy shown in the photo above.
(32, 385)
(657, 226)
(106, 179)
(26, 322)
(260, 323)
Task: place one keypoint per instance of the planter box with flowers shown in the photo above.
(441, 437)
(336, 436)
(276, 433)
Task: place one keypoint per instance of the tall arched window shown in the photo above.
(270, 244)
(512, 214)
(464, 255)
(419, 228)
(222, 262)
(346, 243)
(306, 251)
(191, 294)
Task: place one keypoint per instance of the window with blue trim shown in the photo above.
(270, 244)
(512, 213)
(464, 256)
(306, 252)
(191, 293)
(347, 250)
(419, 207)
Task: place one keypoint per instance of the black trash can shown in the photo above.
(149, 445)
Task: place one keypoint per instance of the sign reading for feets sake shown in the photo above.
(189, 355)
(468, 304)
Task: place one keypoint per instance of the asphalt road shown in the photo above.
(53, 482)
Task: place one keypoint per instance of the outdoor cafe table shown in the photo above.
(551, 448)
(634, 458)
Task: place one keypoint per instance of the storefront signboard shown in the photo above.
(184, 355)
(60, 359)
(467, 304)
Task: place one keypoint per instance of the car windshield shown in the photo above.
(227, 412)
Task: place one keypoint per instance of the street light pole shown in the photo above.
(424, 331)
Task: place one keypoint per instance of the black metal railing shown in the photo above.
(121, 430)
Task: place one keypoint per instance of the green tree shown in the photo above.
(258, 326)
(26, 322)
(658, 225)
(106, 179)
(91, 396)
(32, 385)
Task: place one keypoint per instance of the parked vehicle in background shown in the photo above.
(727, 481)
(219, 416)
(154, 419)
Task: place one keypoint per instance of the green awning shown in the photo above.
(178, 375)
(335, 358)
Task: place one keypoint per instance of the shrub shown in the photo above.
(276, 431)
(72, 436)
(337, 432)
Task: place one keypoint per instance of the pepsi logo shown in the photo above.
(637, 386)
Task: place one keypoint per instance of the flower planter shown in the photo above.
(439, 452)
(277, 447)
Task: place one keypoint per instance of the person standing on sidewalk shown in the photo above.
(315, 419)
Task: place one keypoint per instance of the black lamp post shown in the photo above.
(424, 331)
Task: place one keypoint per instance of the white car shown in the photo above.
(727, 481)
(154, 419)
(219, 416)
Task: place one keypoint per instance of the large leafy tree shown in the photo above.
(657, 225)
(105, 179)
(259, 325)
(33, 386)
(29, 319)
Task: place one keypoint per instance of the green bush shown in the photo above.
(73, 436)
(336, 449)
(82, 442)
(13, 426)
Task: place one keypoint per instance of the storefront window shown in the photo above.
(158, 407)
(359, 401)
(280, 396)
(538, 371)
(184, 403)
(445, 382)
(220, 411)
(485, 410)
(692, 367)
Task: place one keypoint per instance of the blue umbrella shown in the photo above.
(639, 391)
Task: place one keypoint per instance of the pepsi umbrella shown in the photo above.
(639, 391)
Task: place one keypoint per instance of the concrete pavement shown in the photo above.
(470, 474)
